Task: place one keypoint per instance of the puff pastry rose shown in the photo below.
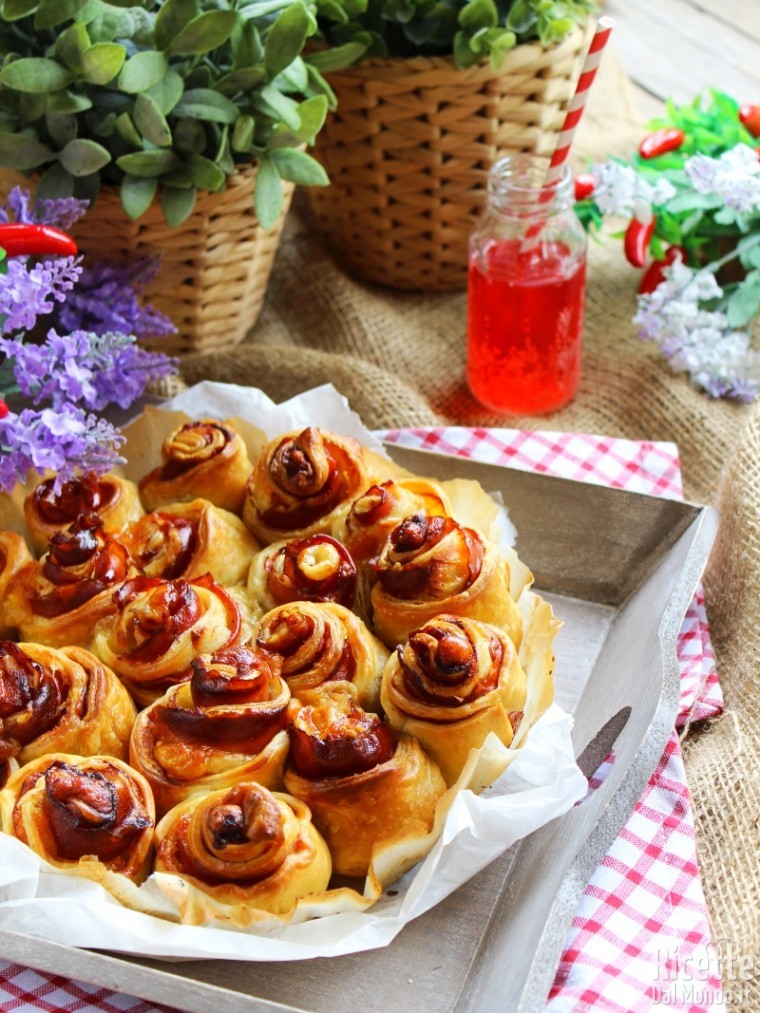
(61, 701)
(224, 726)
(59, 599)
(159, 627)
(322, 643)
(364, 525)
(300, 482)
(14, 554)
(203, 459)
(316, 568)
(452, 683)
(430, 565)
(240, 852)
(88, 815)
(114, 499)
(190, 539)
(366, 786)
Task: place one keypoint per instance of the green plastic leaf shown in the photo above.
(102, 62)
(68, 102)
(143, 71)
(35, 74)
(173, 17)
(20, 152)
(478, 14)
(744, 302)
(278, 106)
(127, 131)
(189, 136)
(62, 128)
(241, 80)
(137, 195)
(55, 183)
(177, 204)
(32, 107)
(205, 174)
(205, 104)
(242, 135)
(71, 46)
(337, 57)
(54, 12)
(15, 9)
(167, 92)
(268, 196)
(148, 163)
(111, 24)
(81, 157)
(204, 33)
(298, 167)
(286, 38)
(87, 187)
(151, 122)
(247, 50)
(180, 177)
(295, 77)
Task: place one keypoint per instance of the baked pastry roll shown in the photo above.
(61, 701)
(364, 525)
(323, 643)
(299, 483)
(224, 726)
(114, 499)
(204, 459)
(316, 568)
(14, 554)
(452, 683)
(8, 762)
(59, 599)
(430, 565)
(159, 627)
(366, 786)
(88, 815)
(240, 852)
(189, 539)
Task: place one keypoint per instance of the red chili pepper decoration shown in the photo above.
(655, 273)
(661, 141)
(585, 184)
(749, 115)
(3, 409)
(21, 240)
(636, 243)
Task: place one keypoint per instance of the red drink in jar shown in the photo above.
(527, 280)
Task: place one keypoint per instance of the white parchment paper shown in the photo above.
(542, 783)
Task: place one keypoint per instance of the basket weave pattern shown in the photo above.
(214, 266)
(409, 149)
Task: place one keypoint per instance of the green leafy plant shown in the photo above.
(162, 99)
(468, 30)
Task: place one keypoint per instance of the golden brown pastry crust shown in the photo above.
(14, 554)
(390, 796)
(58, 599)
(300, 482)
(114, 499)
(61, 701)
(241, 851)
(455, 681)
(321, 643)
(159, 627)
(225, 726)
(316, 568)
(190, 539)
(433, 565)
(203, 459)
(88, 815)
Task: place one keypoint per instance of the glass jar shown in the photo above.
(526, 290)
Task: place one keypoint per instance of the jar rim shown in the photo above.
(521, 179)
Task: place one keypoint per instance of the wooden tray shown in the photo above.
(620, 569)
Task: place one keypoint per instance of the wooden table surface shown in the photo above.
(673, 48)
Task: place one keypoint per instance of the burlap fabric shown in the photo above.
(400, 359)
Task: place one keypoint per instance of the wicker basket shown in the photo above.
(409, 149)
(214, 267)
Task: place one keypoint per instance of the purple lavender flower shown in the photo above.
(28, 292)
(62, 212)
(65, 441)
(106, 300)
(121, 369)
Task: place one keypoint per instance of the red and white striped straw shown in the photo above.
(604, 27)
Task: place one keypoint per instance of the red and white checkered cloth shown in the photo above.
(640, 938)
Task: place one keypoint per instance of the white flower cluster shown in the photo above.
(695, 340)
(620, 190)
(734, 177)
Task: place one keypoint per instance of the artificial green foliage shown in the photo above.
(161, 99)
(468, 30)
